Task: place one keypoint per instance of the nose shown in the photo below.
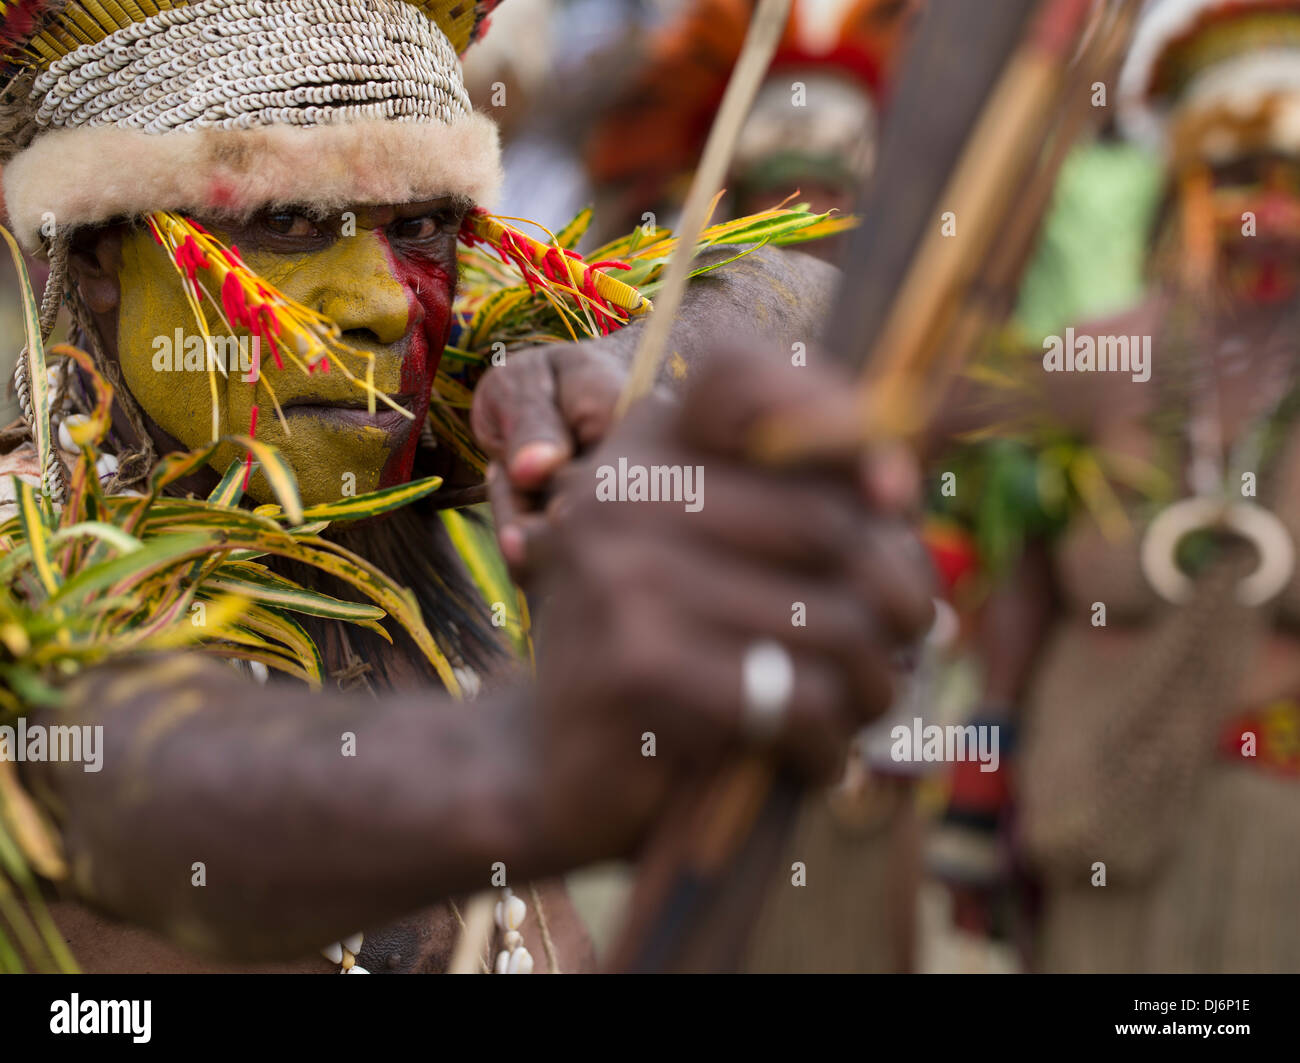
(358, 289)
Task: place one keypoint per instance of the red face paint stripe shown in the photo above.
(429, 289)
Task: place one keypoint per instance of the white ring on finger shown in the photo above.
(767, 683)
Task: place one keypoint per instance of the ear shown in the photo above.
(93, 263)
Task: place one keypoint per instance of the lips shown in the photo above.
(352, 412)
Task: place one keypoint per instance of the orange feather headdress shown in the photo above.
(656, 131)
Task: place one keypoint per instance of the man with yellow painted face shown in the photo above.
(388, 287)
(331, 142)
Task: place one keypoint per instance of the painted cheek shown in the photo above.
(428, 293)
(153, 306)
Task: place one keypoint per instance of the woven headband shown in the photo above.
(233, 106)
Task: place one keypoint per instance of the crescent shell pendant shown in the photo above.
(1262, 529)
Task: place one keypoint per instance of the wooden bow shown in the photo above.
(990, 100)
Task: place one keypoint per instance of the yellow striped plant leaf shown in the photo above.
(94, 529)
(451, 392)
(30, 686)
(637, 242)
(451, 431)
(39, 386)
(699, 271)
(27, 825)
(19, 925)
(34, 928)
(362, 575)
(374, 503)
(490, 314)
(33, 521)
(282, 594)
(44, 624)
(286, 630)
(165, 628)
(168, 514)
(267, 655)
(230, 489)
(156, 556)
(171, 468)
(86, 496)
(278, 474)
(569, 237)
(124, 573)
(477, 546)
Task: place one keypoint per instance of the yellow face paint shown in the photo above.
(333, 445)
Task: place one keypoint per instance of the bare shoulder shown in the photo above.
(779, 291)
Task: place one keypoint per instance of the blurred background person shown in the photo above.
(813, 129)
(1155, 799)
(549, 66)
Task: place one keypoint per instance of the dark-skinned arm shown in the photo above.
(299, 843)
(777, 296)
(648, 611)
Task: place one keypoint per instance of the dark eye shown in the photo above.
(426, 226)
(287, 223)
(1240, 175)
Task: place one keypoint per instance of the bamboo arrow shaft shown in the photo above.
(760, 45)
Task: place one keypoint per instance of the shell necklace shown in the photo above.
(1214, 507)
